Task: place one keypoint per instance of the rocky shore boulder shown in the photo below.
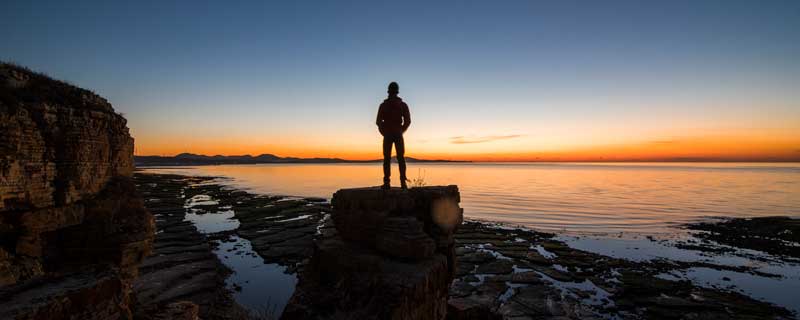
(383, 254)
(72, 227)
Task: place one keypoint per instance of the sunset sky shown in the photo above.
(485, 80)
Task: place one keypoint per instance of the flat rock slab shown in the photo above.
(80, 295)
(776, 235)
(538, 277)
(360, 214)
(182, 269)
(495, 280)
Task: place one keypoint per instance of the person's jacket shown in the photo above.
(393, 117)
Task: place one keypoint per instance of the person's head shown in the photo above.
(394, 89)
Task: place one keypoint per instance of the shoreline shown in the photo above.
(499, 267)
(585, 199)
(155, 160)
(182, 265)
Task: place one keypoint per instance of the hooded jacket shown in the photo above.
(393, 116)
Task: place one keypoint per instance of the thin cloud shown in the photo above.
(465, 140)
(664, 141)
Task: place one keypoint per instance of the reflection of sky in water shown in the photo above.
(559, 197)
(264, 286)
(593, 203)
(642, 249)
(780, 291)
(212, 222)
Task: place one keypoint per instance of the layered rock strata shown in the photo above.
(182, 278)
(384, 254)
(72, 226)
(502, 271)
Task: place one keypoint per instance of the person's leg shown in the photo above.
(400, 145)
(387, 159)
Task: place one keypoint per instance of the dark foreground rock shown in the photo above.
(280, 230)
(182, 271)
(775, 235)
(364, 265)
(506, 273)
(500, 272)
(73, 229)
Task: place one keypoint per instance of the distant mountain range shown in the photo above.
(190, 159)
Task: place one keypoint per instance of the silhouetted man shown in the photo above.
(393, 120)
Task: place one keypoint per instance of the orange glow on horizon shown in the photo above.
(728, 148)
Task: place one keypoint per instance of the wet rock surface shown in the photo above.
(182, 270)
(501, 272)
(181, 310)
(775, 235)
(72, 226)
(364, 265)
(515, 273)
(279, 229)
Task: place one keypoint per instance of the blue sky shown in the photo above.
(289, 75)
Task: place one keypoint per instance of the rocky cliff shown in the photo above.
(72, 227)
(384, 254)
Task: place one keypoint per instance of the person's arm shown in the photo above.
(406, 117)
(379, 118)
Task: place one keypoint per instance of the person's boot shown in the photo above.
(386, 185)
(403, 183)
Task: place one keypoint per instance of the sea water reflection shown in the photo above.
(591, 206)
(604, 198)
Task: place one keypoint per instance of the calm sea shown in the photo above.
(596, 198)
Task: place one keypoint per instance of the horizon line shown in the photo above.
(709, 160)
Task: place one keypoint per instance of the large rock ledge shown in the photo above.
(61, 144)
(73, 229)
(384, 254)
(82, 295)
